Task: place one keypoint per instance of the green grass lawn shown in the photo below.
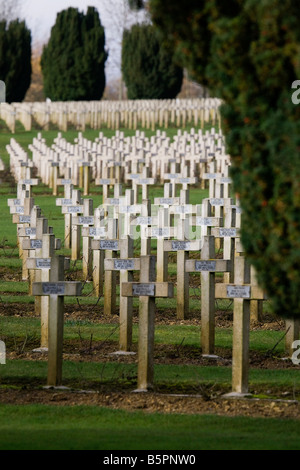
(88, 427)
(37, 427)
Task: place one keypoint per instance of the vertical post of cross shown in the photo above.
(146, 326)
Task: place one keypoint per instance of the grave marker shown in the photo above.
(147, 290)
(242, 292)
(56, 289)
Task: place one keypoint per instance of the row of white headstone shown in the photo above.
(129, 114)
(110, 229)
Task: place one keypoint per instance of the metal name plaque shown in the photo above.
(64, 181)
(166, 200)
(143, 220)
(217, 202)
(97, 231)
(74, 209)
(211, 176)
(36, 244)
(206, 221)
(30, 182)
(128, 209)
(53, 288)
(114, 201)
(16, 202)
(204, 265)
(19, 210)
(24, 219)
(239, 292)
(85, 220)
(104, 181)
(66, 202)
(144, 289)
(180, 245)
(109, 245)
(124, 264)
(227, 232)
(184, 180)
(30, 231)
(224, 179)
(145, 181)
(160, 232)
(183, 209)
(43, 263)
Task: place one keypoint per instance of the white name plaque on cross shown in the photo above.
(143, 289)
(239, 292)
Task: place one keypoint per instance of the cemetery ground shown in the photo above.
(185, 410)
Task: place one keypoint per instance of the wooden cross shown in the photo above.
(182, 247)
(208, 266)
(76, 207)
(126, 264)
(110, 246)
(147, 290)
(56, 289)
(42, 264)
(242, 292)
(84, 220)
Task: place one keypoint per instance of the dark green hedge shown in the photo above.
(15, 59)
(73, 61)
(148, 67)
(248, 54)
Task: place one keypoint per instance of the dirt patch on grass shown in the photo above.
(156, 402)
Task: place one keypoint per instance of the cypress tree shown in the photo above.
(73, 61)
(15, 59)
(148, 67)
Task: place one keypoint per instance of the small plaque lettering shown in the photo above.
(43, 263)
(30, 231)
(239, 292)
(19, 209)
(86, 220)
(184, 180)
(206, 221)
(143, 220)
(124, 264)
(144, 289)
(224, 179)
(145, 181)
(160, 232)
(34, 244)
(180, 245)
(109, 245)
(64, 181)
(128, 209)
(66, 202)
(211, 176)
(114, 201)
(52, 288)
(217, 202)
(166, 200)
(227, 232)
(97, 231)
(204, 265)
(24, 219)
(74, 209)
(183, 209)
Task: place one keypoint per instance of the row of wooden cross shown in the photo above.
(219, 221)
(111, 114)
